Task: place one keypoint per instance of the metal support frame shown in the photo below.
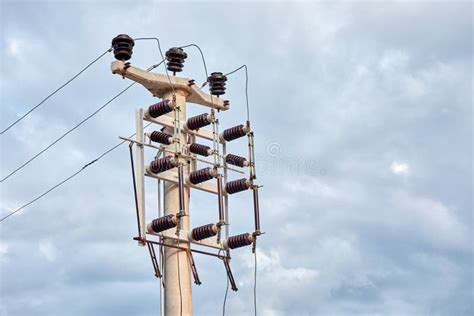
(180, 240)
(140, 171)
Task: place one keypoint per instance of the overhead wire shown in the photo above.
(246, 87)
(68, 178)
(55, 91)
(202, 56)
(162, 57)
(225, 297)
(255, 282)
(73, 128)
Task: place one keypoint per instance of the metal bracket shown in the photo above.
(229, 274)
(156, 267)
(197, 281)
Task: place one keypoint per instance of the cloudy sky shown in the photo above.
(363, 117)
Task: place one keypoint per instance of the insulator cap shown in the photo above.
(233, 133)
(175, 57)
(162, 223)
(196, 122)
(162, 164)
(237, 186)
(160, 108)
(203, 232)
(217, 83)
(199, 149)
(236, 160)
(123, 47)
(238, 241)
(162, 138)
(202, 175)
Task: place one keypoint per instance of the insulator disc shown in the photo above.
(175, 57)
(201, 175)
(239, 241)
(235, 160)
(198, 121)
(217, 83)
(163, 223)
(236, 186)
(234, 132)
(123, 47)
(204, 232)
(162, 164)
(160, 137)
(199, 149)
(160, 108)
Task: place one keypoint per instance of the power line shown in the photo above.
(202, 57)
(255, 283)
(68, 178)
(162, 57)
(55, 91)
(246, 87)
(225, 297)
(73, 128)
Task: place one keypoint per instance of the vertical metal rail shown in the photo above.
(256, 210)
(220, 207)
(140, 174)
(181, 211)
(226, 196)
(135, 188)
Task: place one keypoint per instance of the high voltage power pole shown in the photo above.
(179, 151)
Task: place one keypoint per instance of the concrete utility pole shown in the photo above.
(178, 168)
(177, 275)
(178, 291)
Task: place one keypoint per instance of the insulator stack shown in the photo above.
(175, 57)
(123, 47)
(237, 186)
(203, 232)
(162, 164)
(236, 160)
(217, 83)
(199, 149)
(162, 138)
(162, 223)
(233, 133)
(198, 121)
(239, 241)
(160, 108)
(202, 175)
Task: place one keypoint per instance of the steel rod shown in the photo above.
(182, 155)
(135, 189)
(256, 210)
(183, 248)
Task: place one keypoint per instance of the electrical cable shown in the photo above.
(202, 56)
(225, 297)
(255, 283)
(73, 128)
(179, 283)
(246, 87)
(55, 91)
(162, 56)
(67, 179)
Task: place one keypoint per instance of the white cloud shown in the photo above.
(271, 264)
(400, 168)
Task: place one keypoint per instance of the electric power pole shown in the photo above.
(178, 168)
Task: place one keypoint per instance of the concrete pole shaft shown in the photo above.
(178, 290)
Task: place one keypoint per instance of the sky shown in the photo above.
(362, 113)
